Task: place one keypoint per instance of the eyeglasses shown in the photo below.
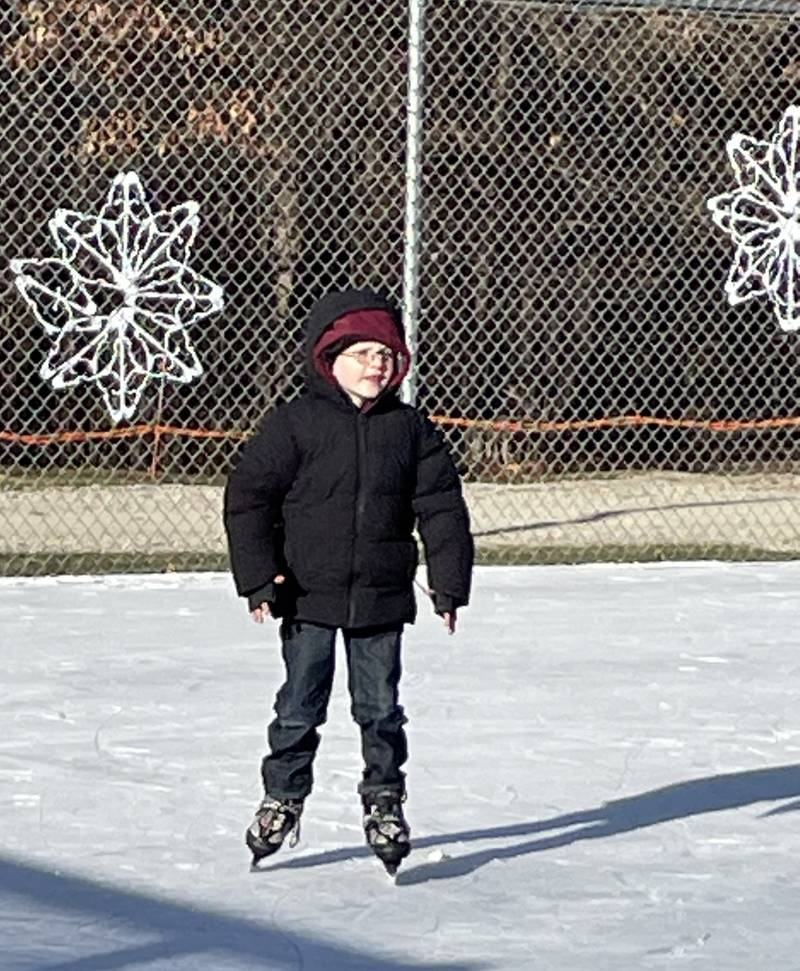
(365, 356)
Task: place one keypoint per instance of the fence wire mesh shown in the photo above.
(601, 398)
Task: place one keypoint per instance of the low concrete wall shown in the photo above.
(633, 509)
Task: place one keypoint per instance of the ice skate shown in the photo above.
(386, 829)
(275, 819)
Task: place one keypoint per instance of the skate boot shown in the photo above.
(275, 820)
(386, 829)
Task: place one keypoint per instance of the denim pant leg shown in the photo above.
(300, 707)
(373, 666)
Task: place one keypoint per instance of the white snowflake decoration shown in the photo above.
(762, 217)
(119, 297)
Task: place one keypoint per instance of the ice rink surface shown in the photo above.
(604, 776)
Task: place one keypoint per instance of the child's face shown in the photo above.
(364, 370)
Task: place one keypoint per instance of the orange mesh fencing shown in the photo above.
(496, 424)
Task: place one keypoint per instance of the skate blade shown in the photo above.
(391, 871)
(258, 851)
(258, 859)
(391, 877)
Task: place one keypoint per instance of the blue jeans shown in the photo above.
(373, 668)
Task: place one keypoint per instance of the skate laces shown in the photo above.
(384, 817)
(272, 817)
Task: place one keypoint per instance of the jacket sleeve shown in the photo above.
(442, 520)
(254, 504)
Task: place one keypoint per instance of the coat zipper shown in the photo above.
(361, 500)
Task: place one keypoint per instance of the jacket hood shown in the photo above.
(329, 309)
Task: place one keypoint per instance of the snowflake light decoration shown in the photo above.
(118, 298)
(762, 217)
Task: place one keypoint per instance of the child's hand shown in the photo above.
(262, 611)
(445, 606)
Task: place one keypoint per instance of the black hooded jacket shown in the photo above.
(328, 495)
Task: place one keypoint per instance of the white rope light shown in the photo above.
(762, 217)
(119, 298)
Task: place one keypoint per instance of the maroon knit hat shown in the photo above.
(363, 325)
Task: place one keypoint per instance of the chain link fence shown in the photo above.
(573, 339)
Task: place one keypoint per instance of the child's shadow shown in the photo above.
(677, 801)
(623, 815)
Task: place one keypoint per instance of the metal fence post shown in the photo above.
(416, 40)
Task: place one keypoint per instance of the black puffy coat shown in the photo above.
(329, 495)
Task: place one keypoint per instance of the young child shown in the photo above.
(319, 514)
